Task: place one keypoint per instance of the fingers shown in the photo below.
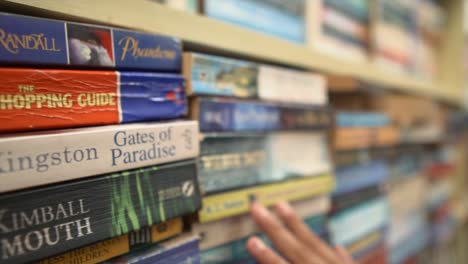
(262, 253)
(302, 232)
(344, 255)
(289, 246)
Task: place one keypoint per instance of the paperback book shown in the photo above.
(120, 245)
(79, 213)
(228, 204)
(179, 250)
(34, 99)
(235, 161)
(32, 41)
(227, 115)
(40, 158)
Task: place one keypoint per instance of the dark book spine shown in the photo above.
(219, 115)
(32, 41)
(51, 220)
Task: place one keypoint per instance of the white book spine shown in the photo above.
(291, 86)
(54, 156)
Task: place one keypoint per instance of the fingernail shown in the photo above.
(284, 208)
(258, 245)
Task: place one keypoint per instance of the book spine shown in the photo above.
(213, 75)
(33, 99)
(44, 158)
(236, 251)
(358, 10)
(242, 161)
(80, 213)
(348, 200)
(338, 20)
(232, 162)
(216, 115)
(342, 36)
(233, 203)
(352, 178)
(54, 42)
(214, 233)
(180, 250)
(118, 246)
(352, 119)
(375, 211)
(366, 244)
(301, 87)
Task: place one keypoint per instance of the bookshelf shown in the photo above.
(211, 34)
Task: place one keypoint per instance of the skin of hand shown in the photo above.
(293, 238)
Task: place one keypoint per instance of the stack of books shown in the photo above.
(359, 200)
(340, 28)
(430, 24)
(75, 188)
(409, 230)
(440, 172)
(258, 142)
(394, 32)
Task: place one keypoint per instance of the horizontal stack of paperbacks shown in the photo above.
(409, 231)
(260, 143)
(407, 35)
(362, 168)
(404, 36)
(440, 173)
(340, 28)
(89, 191)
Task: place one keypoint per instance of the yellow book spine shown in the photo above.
(238, 202)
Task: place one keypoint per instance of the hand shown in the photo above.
(296, 242)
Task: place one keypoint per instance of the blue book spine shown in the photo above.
(31, 41)
(355, 177)
(175, 251)
(218, 115)
(357, 9)
(263, 16)
(362, 119)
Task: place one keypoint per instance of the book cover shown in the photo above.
(34, 99)
(39, 158)
(228, 115)
(120, 245)
(54, 219)
(227, 204)
(215, 233)
(179, 250)
(31, 41)
(215, 75)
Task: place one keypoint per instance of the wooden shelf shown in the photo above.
(206, 32)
